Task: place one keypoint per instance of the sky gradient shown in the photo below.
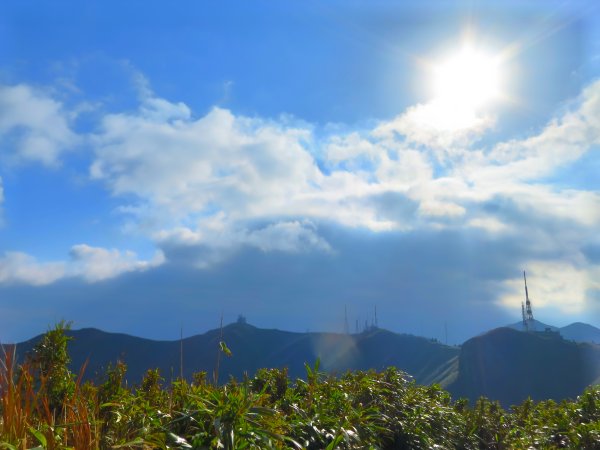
(161, 165)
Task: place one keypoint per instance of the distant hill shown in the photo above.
(578, 331)
(509, 366)
(581, 332)
(503, 364)
(254, 348)
(539, 326)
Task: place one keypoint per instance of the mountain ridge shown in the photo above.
(510, 366)
(253, 348)
(503, 364)
(576, 331)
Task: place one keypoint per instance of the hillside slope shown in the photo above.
(254, 348)
(503, 364)
(578, 331)
(509, 366)
(581, 332)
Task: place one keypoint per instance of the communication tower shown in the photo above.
(528, 321)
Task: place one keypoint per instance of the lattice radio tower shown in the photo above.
(528, 322)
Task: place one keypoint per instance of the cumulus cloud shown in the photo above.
(183, 171)
(291, 237)
(561, 285)
(565, 138)
(97, 264)
(34, 127)
(222, 182)
(242, 165)
(89, 263)
(217, 239)
(515, 172)
(416, 198)
(436, 125)
(350, 147)
(17, 267)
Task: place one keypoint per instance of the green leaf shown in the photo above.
(224, 348)
(179, 441)
(7, 446)
(39, 436)
(333, 444)
(136, 442)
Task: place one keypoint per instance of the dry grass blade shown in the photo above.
(15, 401)
(81, 418)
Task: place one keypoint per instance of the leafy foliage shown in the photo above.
(50, 360)
(43, 406)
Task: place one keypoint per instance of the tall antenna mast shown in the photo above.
(528, 312)
(375, 321)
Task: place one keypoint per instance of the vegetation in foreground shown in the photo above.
(43, 405)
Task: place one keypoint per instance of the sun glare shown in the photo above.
(466, 82)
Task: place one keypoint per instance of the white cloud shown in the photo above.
(489, 224)
(347, 147)
(17, 267)
(564, 140)
(34, 127)
(516, 170)
(217, 234)
(219, 182)
(96, 264)
(241, 165)
(407, 168)
(554, 285)
(292, 237)
(89, 263)
(436, 125)
(185, 172)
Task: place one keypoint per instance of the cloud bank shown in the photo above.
(207, 189)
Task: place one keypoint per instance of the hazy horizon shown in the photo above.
(172, 336)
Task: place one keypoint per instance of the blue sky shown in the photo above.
(161, 165)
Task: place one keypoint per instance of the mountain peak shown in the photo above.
(581, 332)
(508, 365)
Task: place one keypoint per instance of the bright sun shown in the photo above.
(464, 83)
(469, 77)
